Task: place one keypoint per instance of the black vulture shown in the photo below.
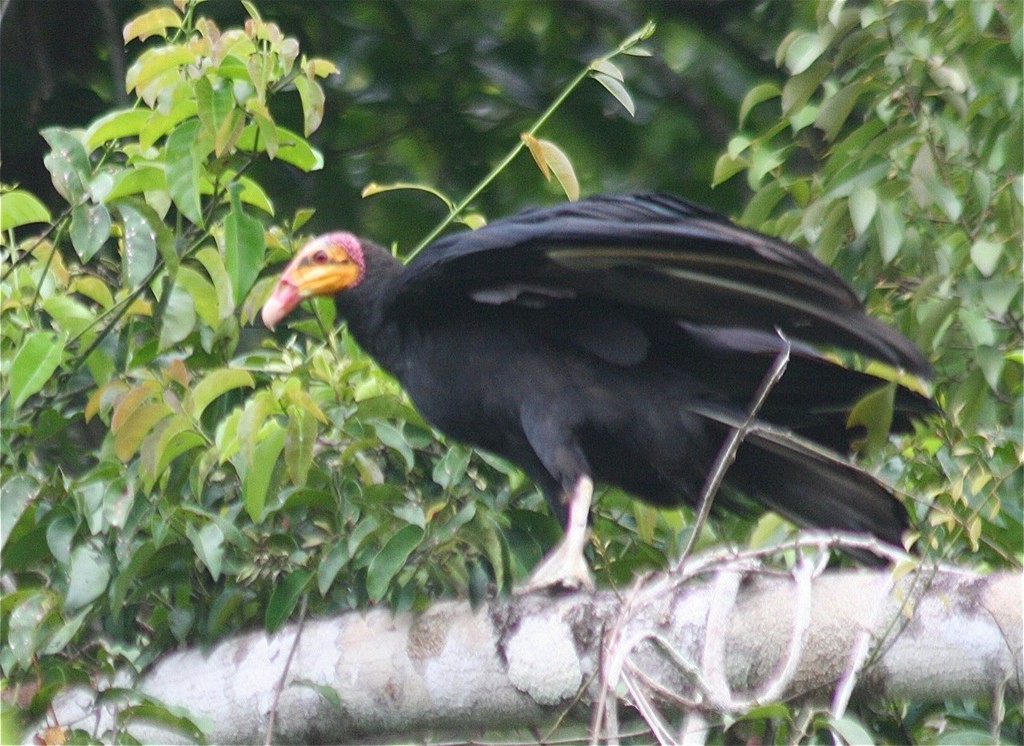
(619, 339)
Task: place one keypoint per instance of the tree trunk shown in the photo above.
(725, 638)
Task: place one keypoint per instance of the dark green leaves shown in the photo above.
(390, 560)
(284, 599)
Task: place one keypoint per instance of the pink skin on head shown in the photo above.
(287, 294)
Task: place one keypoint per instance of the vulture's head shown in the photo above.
(326, 265)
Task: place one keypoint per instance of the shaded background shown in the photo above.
(434, 92)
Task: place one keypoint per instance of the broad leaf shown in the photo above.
(244, 247)
(390, 559)
(183, 168)
(151, 23)
(256, 482)
(285, 597)
(90, 574)
(614, 86)
(34, 363)
(67, 163)
(21, 208)
(178, 318)
(138, 245)
(90, 229)
(117, 124)
(216, 383)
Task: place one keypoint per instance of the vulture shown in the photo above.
(620, 340)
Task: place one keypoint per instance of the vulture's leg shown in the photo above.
(565, 565)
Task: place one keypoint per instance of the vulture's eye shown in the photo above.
(321, 257)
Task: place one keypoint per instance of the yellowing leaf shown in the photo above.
(215, 384)
(152, 23)
(552, 161)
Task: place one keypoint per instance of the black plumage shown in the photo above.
(618, 339)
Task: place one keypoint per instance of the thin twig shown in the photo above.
(284, 674)
(727, 454)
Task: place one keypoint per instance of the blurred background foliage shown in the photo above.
(173, 472)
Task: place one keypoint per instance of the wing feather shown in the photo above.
(658, 254)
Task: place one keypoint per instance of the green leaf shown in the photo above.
(18, 493)
(252, 193)
(244, 247)
(151, 23)
(450, 469)
(115, 125)
(985, 255)
(267, 131)
(293, 148)
(183, 168)
(175, 719)
(615, 87)
(256, 482)
(67, 163)
(862, 205)
(298, 445)
(129, 435)
(798, 89)
(209, 545)
(153, 63)
(608, 68)
(64, 634)
(136, 180)
(21, 208)
(26, 626)
(284, 598)
(160, 122)
(139, 245)
(756, 95)
(835, 110)
(891, 230)
(646, 517)
(214, 384)
(390, 559)
(213, 263)
(176, 437)
(803, 51)
(874, 412)
(851, 730)
(726, 167)
(90, 229)
(312, 97)
(204, 296)
(222, 120)
(330, 566)
(34, 363)
(374, 188)
(89, 576)
(178, 318)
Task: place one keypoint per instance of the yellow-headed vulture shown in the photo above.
(619, 339)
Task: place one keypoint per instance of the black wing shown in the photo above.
(656, 254)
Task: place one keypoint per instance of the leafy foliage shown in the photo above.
(914, 112)
(171, 475)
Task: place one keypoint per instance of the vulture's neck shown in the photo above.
(367, 308)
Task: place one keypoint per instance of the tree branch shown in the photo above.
(931, 633)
